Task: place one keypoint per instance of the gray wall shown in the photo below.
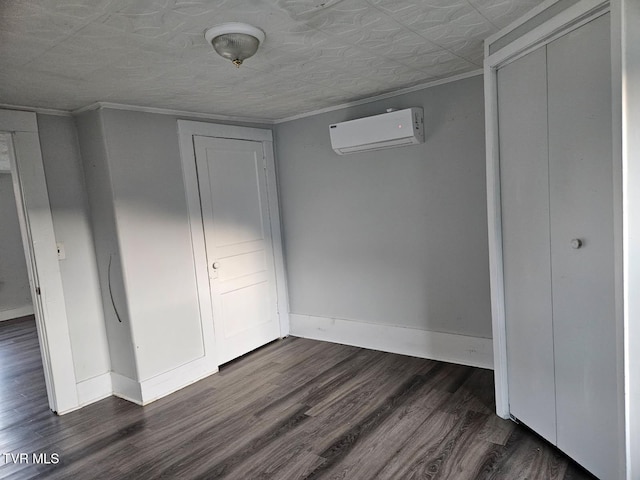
(69, 209)
(14, 281)
(395, 237)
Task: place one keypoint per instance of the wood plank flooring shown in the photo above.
(294, 409)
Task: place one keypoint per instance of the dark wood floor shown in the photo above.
(294, 409)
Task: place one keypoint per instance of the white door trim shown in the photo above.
(569, 19)
(186, 131)
(625, 47)
(36, 225)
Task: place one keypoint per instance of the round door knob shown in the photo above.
(576, 243)
(215, 265)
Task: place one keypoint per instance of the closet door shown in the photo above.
(524, 179)
(581, 206)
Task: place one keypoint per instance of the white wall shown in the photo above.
(395, 237)
(15, 296)
(69, 208)
(140, 219)
(104, 231)
(154, 239)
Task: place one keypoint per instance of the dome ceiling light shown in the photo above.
(235, 41)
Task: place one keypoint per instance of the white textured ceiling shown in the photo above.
(66, 54)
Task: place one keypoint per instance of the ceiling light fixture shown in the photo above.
(235, 41)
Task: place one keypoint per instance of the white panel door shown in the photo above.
(581, 189)
(524, 184)
(235, 210)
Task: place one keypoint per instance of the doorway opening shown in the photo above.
(15, 296)
(22, 384)
(21, 145)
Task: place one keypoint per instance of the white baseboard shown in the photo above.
(176, 379)
(446, 347)
(94, 389)
(147, 391)
(127, 388)
(16, 313)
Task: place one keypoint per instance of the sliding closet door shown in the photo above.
(581, 188)
(524, 183)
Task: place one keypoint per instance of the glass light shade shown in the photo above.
(236, 47)
(235, 41)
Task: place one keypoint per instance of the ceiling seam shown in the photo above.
(420, 35)
(83, 24)
(399, 62)
(329, 37)
(482, 15)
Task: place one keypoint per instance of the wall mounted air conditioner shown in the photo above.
(387, 130)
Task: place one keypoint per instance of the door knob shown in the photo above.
(215, 265)
(576, 243)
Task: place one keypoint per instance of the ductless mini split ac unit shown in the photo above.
(392, 129)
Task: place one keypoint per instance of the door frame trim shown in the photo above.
(38, 237)
(188, 129)
(560, 24)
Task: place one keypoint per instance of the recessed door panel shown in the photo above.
(246, 307)
(524, 178)
(581, 188)
(235, 195)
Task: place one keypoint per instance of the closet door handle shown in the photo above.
(576, 243)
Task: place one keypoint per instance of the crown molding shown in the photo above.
(235, 118)
(383, 96)
(168, 111)
(44, 111)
